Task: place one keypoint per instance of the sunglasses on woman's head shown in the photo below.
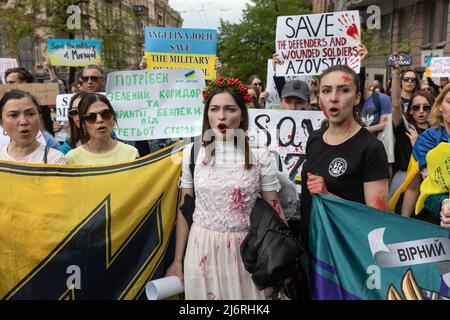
(91, 117)
(73, 113)
(408, 79)
(416, 107)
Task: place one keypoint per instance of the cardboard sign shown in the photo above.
(5, 64)
(73, 53)
(439, 67)
(310, 44)
(289, 144)
(156, 104)
(181, 48)
(46, 93)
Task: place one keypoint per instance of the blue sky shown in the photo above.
(206, 14)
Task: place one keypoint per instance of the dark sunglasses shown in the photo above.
(259, 84)
(73, 113)
(91, 117)
(416, 107)
(93, 78)
(409, 79)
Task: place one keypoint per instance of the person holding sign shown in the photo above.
(97, 119)
(343, 160)
(20, 118)
(228, 177)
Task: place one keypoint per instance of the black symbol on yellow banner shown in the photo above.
(104, 274)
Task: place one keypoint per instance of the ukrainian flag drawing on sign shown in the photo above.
(71, 232)
(358, 252)
(181, 48)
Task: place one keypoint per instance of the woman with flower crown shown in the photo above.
(228, 176)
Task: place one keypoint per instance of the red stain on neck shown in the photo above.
(352, 31)
(322, 107)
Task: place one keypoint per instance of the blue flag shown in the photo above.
(359, 252)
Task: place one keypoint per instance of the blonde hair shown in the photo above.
(436, 119)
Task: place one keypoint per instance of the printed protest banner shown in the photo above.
(100, 233)
(5, 64)
(285, 133)
(73, 53)
(273, 101)
(46, 93)
(439, 67)
(310, 44)
(181, 48)
(361, 253)
(156, 104)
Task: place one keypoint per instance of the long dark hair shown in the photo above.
(83, 107)
(244, 123)
(353, 75)
(74, 130)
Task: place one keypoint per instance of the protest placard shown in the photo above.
(73, 53)
(46, 93)
(5, 64)
(285, 133)
(181, 48)
(439, 67)
(310, 44)
(156, 104)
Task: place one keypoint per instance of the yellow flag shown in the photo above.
(72, 232)
(438, 179)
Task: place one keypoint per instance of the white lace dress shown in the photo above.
(225, 195)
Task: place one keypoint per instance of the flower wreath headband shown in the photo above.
(232, 83)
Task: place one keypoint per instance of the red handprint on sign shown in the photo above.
(350, 25)
(353, 61)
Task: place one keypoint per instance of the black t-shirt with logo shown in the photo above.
(344, 167)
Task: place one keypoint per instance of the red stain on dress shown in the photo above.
(238, 198)
(229, 246)
(201, 264)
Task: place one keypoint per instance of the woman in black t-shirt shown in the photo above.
(343, 160)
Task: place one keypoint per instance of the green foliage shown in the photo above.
(244, 48)
(113, 29)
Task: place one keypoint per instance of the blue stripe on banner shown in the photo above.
(323, 265)
(326, 289)
(181, 41)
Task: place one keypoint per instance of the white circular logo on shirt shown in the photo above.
(337, 167)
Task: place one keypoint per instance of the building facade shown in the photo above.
(119, 24)
(417, 27)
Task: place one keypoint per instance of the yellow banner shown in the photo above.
(158, 60)
(72, 232)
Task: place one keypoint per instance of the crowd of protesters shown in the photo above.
(394, 128)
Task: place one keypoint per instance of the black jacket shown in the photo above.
(271, 252)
